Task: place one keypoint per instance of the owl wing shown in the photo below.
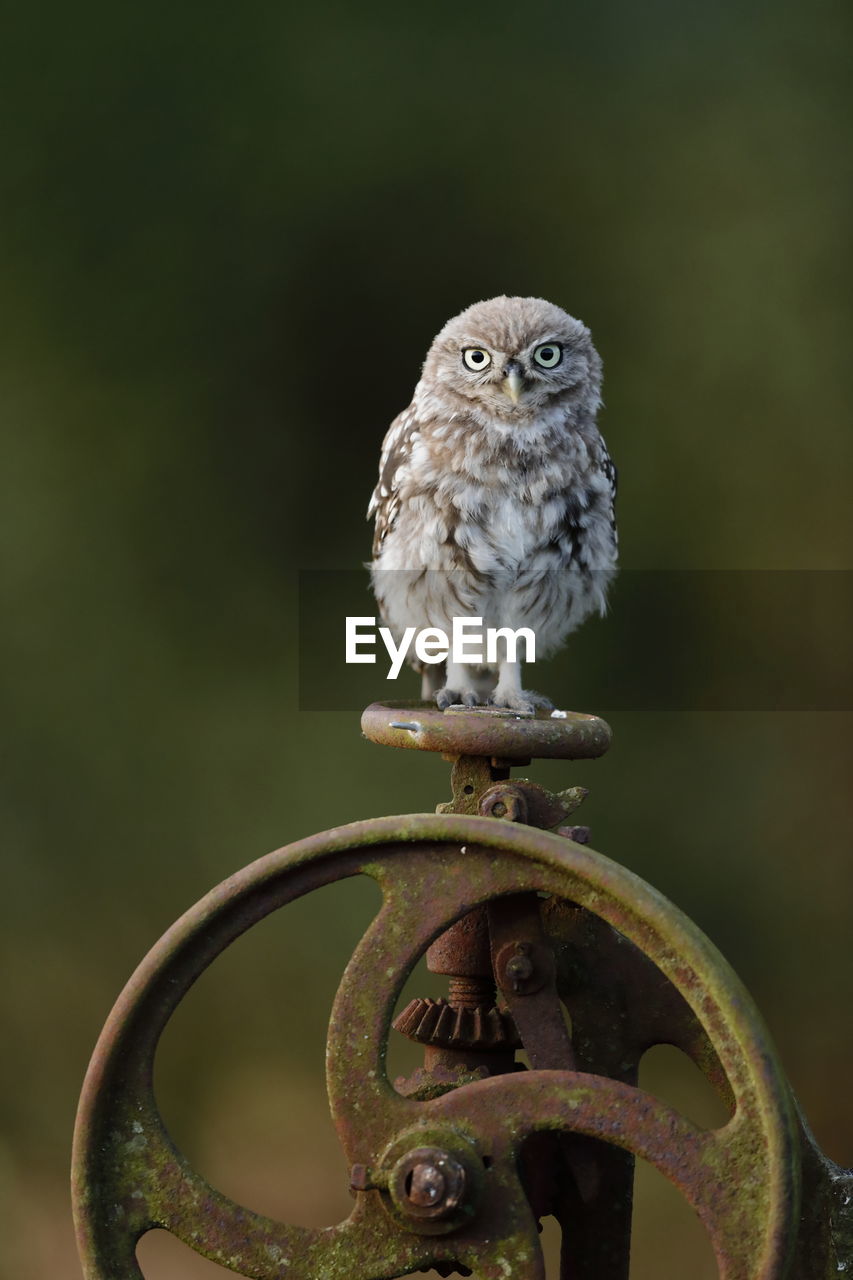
(590, 506)
(608, 469)
(393, 461)
(611, 474)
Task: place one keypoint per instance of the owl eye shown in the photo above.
(548, 355)
(476, 358)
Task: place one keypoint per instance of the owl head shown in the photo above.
(513, 358)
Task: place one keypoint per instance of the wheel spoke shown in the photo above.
(704, 1165)
(367, 1246)
(143, 1182)
(365, 1107)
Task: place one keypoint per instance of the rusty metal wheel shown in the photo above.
(439, 1179)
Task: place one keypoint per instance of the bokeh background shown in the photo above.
(229, 233)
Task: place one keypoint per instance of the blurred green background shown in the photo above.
(227, 236)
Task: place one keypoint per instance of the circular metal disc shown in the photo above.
(486, 731)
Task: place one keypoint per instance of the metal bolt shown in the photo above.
(425, 1185)
(519, 969)
(523, 967)
(428, 1183)
(504, 801)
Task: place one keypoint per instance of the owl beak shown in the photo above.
(513, 381)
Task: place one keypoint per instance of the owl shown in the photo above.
(496, 492)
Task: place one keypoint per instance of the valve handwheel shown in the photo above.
(438, 1179)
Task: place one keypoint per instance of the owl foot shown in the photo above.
(445, 698)
(523, 700)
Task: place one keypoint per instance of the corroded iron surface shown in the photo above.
(611, 938)
(480, 731)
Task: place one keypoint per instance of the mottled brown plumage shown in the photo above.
(495, 492)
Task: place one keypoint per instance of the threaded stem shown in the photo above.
(471, 993)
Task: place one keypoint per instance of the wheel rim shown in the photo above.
(129, 1177)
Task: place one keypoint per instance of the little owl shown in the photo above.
(495, 493)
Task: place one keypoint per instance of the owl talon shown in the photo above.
(445, 698)
(523, 700)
